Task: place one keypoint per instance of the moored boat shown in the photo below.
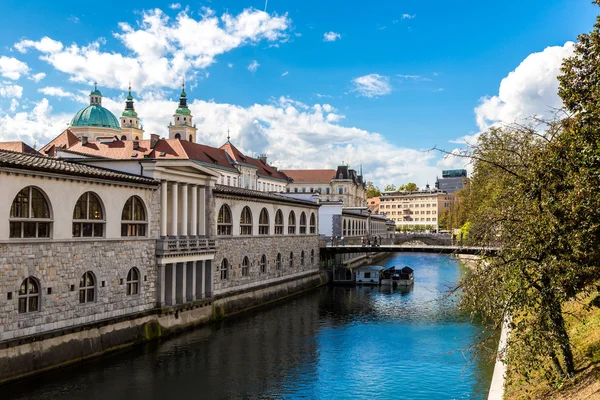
(397, 277)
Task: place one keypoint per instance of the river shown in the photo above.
(331, 343)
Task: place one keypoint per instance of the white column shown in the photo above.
(203, 275)
(163, 208)
(184, 209)
(174, 205)
(161, 285)
(192, 296)
(194, 213)
(202, 210)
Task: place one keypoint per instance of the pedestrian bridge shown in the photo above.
(410, 248)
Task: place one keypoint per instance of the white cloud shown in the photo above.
(331, 36)
(230, 65)
(8, 90)
(37, 77)
(285, 73)
(408, 16)
(60, 92)
(175, 6)
(291, 133)
(12, 68)
(14, 103)
(372, 85)
(37, 125)
(162, 51)
(73, 19)
(531, 89)
(253, 66)
(416, 78)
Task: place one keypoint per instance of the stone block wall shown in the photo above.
(236, 248)
(58, 267)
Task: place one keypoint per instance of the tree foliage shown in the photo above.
(535, 193)
(409, 187)
(390, 188)
(372, 190)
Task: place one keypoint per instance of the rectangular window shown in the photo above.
(295, 190)
(367, 275)
(303, 190)
(327, 190)
(228, 181)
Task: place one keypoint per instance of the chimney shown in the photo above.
(263, 158)
(153, 140)
(136, 144)
(84, 140)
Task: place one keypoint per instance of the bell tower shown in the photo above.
(130, 123)
(182, 127)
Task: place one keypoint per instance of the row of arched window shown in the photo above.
(31, 217)
(354, 228)
(30, 292)
(225, 222)
(226, 266)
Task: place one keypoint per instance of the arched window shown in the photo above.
(292, 223)
(246, 221)
(123, 137)
(224, 269)
(303, 223)
(133, 218)
(190, 139)
(88, 217)
(137, 138)
(29, 296)
(312, 257)
(87, 288)
(177, 135)
(302, 258)
(278, 262)
(224, 223)
(291, 259)
(313, 223)
(133, 282)
(263, 222)
(245, 267)
(263, 264)
(279, 223)
(30, 215)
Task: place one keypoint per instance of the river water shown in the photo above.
(331, 343)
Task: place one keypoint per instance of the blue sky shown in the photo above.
(399, 76)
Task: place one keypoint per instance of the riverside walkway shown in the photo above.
(403, 248)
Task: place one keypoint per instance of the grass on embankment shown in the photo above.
(584, 331)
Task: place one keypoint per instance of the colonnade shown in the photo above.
(182, 209)
(184, 282)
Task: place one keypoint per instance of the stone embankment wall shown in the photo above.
(27, 356)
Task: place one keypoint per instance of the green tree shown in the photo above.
(372, 190)
(390, 188)
(409, 187)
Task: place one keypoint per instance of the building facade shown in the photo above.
(451, 181)
(343, 184)
(415, 210)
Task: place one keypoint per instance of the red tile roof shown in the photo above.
(263, 168)
(18, 147)
(64, 140)
(310, 175)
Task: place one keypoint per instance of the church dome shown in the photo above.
(95, 115)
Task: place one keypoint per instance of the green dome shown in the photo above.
(129, 113)
(95, 115)
(183, 111)
(95, 92)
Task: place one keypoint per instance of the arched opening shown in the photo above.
(88, 216)
(133, 282)
(246, 266)
(313, 223)
(303, 223)
(133, 218)
(177, 136)
(30, 214)
(246, 221)
(292, 259)
(278, 262)
(224, 223)
(292, 223)
(263, 222)
(87, 288)
(279, 223)
(263, 264)
(123, 137)
(29, 295)
(224, 269)
(190, 138)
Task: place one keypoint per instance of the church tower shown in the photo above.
(182, 127)
(130, 123)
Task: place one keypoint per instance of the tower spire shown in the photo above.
(228, 134)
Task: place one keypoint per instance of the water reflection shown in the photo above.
(334, 343)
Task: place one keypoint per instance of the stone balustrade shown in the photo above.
(184, 244)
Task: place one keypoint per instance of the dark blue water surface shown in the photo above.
(331, 343)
